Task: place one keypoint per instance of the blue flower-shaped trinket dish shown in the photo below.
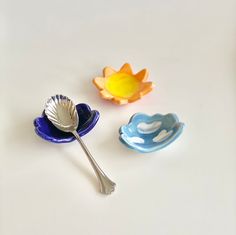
(150, 133)
(46, 130)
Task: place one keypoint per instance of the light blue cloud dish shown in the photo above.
(146, 133)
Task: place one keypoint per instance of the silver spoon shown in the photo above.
(61, 111)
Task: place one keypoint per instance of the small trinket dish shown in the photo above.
(46, 130)
(150, 133)
(124, 86)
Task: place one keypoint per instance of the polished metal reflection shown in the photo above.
(61, 111)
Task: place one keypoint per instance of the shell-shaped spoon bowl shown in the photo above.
(62, 112)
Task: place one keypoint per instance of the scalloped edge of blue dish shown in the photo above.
(153, 117)
(70, 137)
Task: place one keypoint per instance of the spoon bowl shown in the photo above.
(61, 111)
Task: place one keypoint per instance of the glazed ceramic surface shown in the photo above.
(123, 86)
(46, 130)
(150, 133)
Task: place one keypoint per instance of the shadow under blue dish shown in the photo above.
(46, 130)
(146, 133)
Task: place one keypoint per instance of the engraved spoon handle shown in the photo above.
(106, 185)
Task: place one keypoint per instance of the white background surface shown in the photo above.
(50, 47)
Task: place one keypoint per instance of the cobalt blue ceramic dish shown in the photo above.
(150, 133)
(46, 130)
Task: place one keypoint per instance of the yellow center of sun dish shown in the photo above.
(122, 85)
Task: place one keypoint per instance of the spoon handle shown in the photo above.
(106, 185)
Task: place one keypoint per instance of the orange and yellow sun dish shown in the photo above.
(123, 87)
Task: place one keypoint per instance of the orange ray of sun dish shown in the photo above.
(124, 86)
